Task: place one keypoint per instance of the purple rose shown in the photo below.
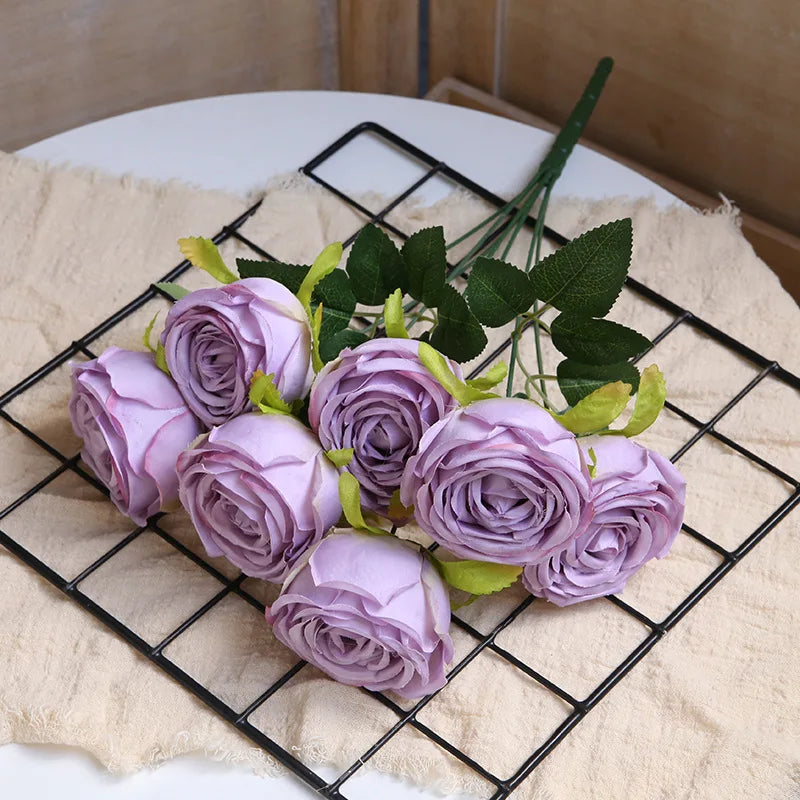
(499, 480)
(134, 424)
(369, 611)
(215, 339)
(638, 510)
(260, 491)
(379, 399)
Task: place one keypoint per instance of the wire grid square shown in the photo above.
(480, 636)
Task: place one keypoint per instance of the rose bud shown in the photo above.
(378, 399)
(639, 500)
(260, 491)
(369, 611)
(134, 424)
(215, 339)
(499, 480)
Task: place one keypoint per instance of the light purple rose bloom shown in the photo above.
(499, 480)
(379, 399)
(369, 611)
(215, 339)
(639, 500)
(134, 424)
(260, 491)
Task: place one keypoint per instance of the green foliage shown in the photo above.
(393, 316)
(340, 458)
(488, 381)
(265, 396)
(577, 380)
(597, 410)
(478, 577)
(457, 334)
(649, 401)
(173, 290)
(497, 292)
(375, 267)
(586, 275)
(203, 253)
(350, 498)
(436, 364)
(425, 258)
(330, 347)
(596, 341)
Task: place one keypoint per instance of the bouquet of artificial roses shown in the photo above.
(301, 463)
(301, 440)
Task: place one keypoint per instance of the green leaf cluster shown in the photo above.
(582, 280)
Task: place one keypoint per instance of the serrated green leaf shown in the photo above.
(457, 334)
(488, 381)
(340, 458)
(350, 498)
(649, 401)
(497, 291)
(424, 253)
(586, 274)
(330, 347)
(478, 577)
(265, 396)
(393, 321)
(161, 359)
(437, 365)
(597, 410)
(323, 265)
(577, 380)
(148, 332)
(203, 253)
(375, 267)
(290, 275)
(173, 290)
(596, 341)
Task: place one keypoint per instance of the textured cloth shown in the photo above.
(711, 711)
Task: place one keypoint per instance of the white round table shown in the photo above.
(236, 143)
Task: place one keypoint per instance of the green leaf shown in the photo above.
(586, 274)
(375, 267)
(497, 292)
(596, 341)
(592, 466)
(350, 498)
(316, 326)
(649, 401)
(457, 334)
(393, 320)
(577, 380)
(264, 394)
(338, 302)
(488, 381)
(397, 512)
(147, 333)
(437, 365)
(425, 256)
(173, 290)
(325, 263)
(203, 253)
(330, 348)
(290, 275)
(161, 359)
(597, 410)
(478, 577)
(340, 458)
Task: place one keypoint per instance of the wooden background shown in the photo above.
(704, 92)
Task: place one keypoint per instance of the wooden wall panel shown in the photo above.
(378, 46)
(462, 41)
(703, 91)
(67, 62)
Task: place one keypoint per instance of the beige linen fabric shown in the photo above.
(712, 711)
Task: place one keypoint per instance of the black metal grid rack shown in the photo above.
(503, 786)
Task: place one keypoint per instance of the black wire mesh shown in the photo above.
(482, 641)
